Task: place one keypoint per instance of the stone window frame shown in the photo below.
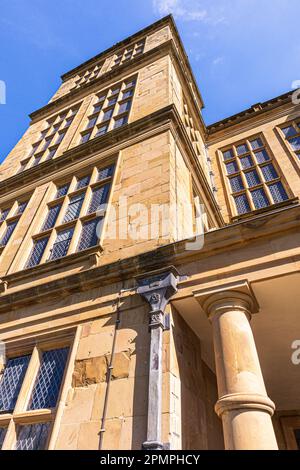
(295, 123)
(52, 130)
(21, 416)
(14, 215)
(130, 52)
(101, 104)
(264, 184)
(289, 425)
(76, 223)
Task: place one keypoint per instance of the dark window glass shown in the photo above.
(62, 191)
(269, 172)
(105, 173)
(252, 178)
(8, 233)
(47, 386)
(228, 154)
(51, 217)
(83, 182)
(121, 122)
(242, 204)
(89, 234)
(231, 168)
(32, 436)
(124, 107)
(256, 144)
(241, 149)
(99, 197)
(278, 192)
(85, 137)
(236, 184)
(11, 382)
(4, 214)
(62, 243)
(246, 162)
(259, 198)
(289, 131)
(102, 130)
(262, 156)
(37, 252)
(2, 436)
(74, 208)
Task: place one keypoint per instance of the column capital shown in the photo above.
(228, 297)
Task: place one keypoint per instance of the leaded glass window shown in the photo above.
(252, 173)
(11, 382)
(62, 191)
(292, 136)
(51, 217)
(2, 435)
(62, 243)
(32, 436)
(74, 207)
(47, 386)
(89, 234)
(99, 197)
(129, 53)
(110, 110)
(37, 252)
(8, 233)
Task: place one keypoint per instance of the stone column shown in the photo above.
(243, 404)
(157, 289)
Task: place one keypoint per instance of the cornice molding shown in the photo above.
(174, 254)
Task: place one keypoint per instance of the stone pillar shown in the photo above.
(157, 289)
(243, 404)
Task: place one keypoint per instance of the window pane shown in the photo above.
(85, 137)
(116, 91)
(242, 204)
(8, 233)
(112, 101)
(37, 160)
(252, 178)
(74, 208)
(32, 436)
(295, 143)
(246, 162)
(47, 386)
(130, 84)
(60, 138)
(262, 156)
(83, 182)
(228, 154)
(127, 94)
(92, 121)
(99, 197)
(51, 217)
(2, 436)
(124, 107)
(256, 144)
(62, 243)
(259, 198)
(4, 214)
(231, 168)
(289, 131)
(105, 173)
(241, 149)
(278, 192)
(269, 172)
(51, 154)
(102, 130)
(120, 122)
(37, 252)
(107, 115)
(236, 184)
(89, 235)
(11, 382)
(62, 191)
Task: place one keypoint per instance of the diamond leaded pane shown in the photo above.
(89, 235)
(4, 214)
(74, 208)
(11, 382)
(246, 162)
(32, 436)
(241, 149)
(83, 182)
(256, 143)
(242, 204)
(61, 246)
(21, 207)
(37, 252)
(232, 168)
(269, 172)
(8, 233)
(252, 178)
(228, 154)
(62, 191)
(105, 173)
(262, 156)
(278, 192)
(259, 198)
(51, 217)
(2, 436)
(99, 197)
(236, 184)
(48, 382)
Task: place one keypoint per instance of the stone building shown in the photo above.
(121, 331)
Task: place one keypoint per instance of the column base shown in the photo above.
(153, 445)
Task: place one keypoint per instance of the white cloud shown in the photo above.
(187, 10)
(218, 61)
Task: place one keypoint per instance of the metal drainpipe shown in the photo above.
(109, 373)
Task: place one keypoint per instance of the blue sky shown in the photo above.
(241, 51)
